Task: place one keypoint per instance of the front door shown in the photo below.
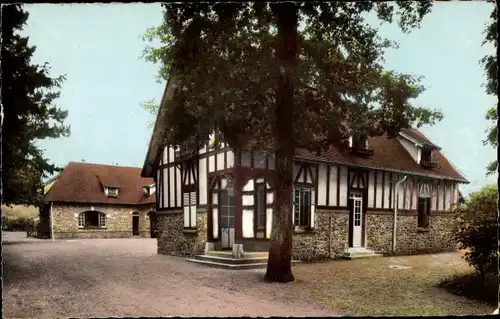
(226, 208)
(135, 225)
(357, 222)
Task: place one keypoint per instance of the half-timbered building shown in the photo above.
(388, 195)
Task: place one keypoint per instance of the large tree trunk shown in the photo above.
(279, 264)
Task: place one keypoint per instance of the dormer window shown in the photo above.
(426, 157)
(111, 191)
(358, 144)
(146, 190)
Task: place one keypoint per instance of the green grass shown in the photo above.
(369, 287)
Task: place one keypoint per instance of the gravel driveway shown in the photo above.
(126, 277)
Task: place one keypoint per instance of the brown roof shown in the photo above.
(388, 154)
(417, 136)
(84, 183)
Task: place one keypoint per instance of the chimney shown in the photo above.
(83, 161)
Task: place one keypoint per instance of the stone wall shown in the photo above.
(327, 240)
(173, 240)
(409, 238)
(118, 221)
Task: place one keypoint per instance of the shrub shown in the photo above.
(477, 230)
(17, 224)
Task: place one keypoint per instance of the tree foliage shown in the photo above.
(285, 75)
(489, 63)
(29, 113)
(477, 230)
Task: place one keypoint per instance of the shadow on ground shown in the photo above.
(472, 287)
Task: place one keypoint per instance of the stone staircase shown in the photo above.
(225, 259)
(360, 253)
(235, 259)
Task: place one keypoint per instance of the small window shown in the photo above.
(259, 159)
(360, 141)
(260, 203)
(246, 157)
(302, 207)
(426, 154)
(423, 212)
(112, 192)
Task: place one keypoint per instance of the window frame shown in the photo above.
(260, 202)
(423, 216)
(302, 189)
(112, 189)
(192, 206)
(82, 220)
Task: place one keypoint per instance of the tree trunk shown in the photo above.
(279, 264)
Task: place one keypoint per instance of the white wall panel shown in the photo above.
(248, 186)
(215, 218)
(387, 190)
(322, 180)
(371, 188)
(270, 198)
(380, 179)
(172, 187)
(343, 186)
(202, 181)
(247, 200)
(269, 222)
(247, 223)
(211, 163)
(178, 182)
(220, 161)
(230, 159)
(332, 192)
(165, 188)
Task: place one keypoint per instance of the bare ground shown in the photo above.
(126, 277)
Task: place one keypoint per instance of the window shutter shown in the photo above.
(192, 199)
(186, 199)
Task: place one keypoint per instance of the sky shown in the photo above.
(99, 47)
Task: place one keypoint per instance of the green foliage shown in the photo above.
(17, 224)
(477, 230)
(29, 113)
(489, 63)
(227, 54)
(152, 108)
(246, 71)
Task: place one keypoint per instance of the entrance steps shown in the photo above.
(225, 259)
(360, 253)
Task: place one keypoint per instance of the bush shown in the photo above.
(17, 224)
(477, 230)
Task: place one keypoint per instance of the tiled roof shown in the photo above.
(388, 154)
(83, 183)
(417, 136)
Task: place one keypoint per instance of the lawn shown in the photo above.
(371, 287)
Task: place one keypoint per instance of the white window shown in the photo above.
(112, 192)
(303, 201)
(189, 201)
(92, 219)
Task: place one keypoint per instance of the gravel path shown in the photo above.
(126, 277)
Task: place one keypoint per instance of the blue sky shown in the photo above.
(98, 47)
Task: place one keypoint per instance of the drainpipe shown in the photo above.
(51, 223)
(396, 195)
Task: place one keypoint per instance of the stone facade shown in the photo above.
(409, 238)
(327, 240)
(174, 240)
(118, 221)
